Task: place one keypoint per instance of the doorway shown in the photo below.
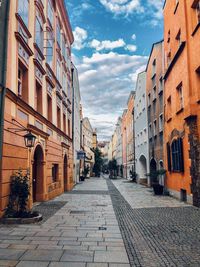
(37, 177)
(65, 172)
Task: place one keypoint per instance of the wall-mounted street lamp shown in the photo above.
(29, 140)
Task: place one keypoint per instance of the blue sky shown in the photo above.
(113, 39)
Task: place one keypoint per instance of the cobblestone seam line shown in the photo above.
(158, 237)
(88, 192)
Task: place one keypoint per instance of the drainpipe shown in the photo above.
(74, 164)
(4, 17)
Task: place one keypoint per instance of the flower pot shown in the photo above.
(158, 189)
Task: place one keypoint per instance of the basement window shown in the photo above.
(55, 169)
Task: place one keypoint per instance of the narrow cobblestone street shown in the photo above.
(97, 226)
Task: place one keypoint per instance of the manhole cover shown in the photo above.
(102, 228)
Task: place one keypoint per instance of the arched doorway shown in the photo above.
(65, 172)
(38, 174)
(142, 167)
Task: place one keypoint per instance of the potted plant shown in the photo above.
(17, 210)
(154, 180)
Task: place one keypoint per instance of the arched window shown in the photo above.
(39, 33)
(177, 155)
(23, 10)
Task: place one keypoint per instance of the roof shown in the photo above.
(152, 48)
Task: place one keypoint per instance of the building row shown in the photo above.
(160, 128)
(39, 95)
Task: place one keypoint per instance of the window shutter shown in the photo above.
(169, 157)
(181, 159)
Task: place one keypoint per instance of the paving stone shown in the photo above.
(97, 264)
(42, 255)
(79, 256)
(67, 264)
(97, 248)
(32, 264)
(8, 263)
(11, 254)
(24, 247)
(119, 265)
(110, 256)
(68, 247)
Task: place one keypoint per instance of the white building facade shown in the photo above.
(88, 144)
(76, 123)
(141, 129)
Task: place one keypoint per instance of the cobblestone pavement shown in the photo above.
(101, 227)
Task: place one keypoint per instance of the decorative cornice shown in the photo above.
(37, 64)
(20, 39)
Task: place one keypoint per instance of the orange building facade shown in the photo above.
(38, 97)
(182, 98)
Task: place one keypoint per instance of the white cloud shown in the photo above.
(107, 44)
(131, 48)
(106, 80)
(133, 37)
(80, 36)
(124, 7)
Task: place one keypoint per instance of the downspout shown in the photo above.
(74, 164)
(4, 19)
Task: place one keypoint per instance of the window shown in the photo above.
(178, 38)
(55, 174)
(22, 83)
(169, 108)
(154, 93)
(150, 131)
(155, 128)
(161, 123)
(58, 70)
(49, 108)
(58, 118)
(168, 37)
(168, 58)
(38, 98)
(69, 90)
(49, 48)
(179, 91)
(23, 7)
(39, 34)
(161, 101)
(64, 83)
(177, 155)
(50, 12)
(161, 84)
(64, 52)
(149, 99)
(58, 34)
(69, 130)
(64, 123)
(154, 67)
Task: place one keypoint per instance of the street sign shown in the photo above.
(80, 154)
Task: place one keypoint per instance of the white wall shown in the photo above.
(141, 127)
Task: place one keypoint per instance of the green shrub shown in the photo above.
(19, 194)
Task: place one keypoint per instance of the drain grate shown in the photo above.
(78, 211)
(102, 228)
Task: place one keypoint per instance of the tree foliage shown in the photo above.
(98, 162)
